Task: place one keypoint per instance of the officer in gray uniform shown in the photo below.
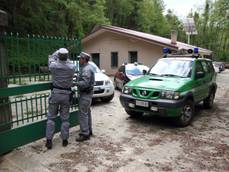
(85, 83)
(62, 71)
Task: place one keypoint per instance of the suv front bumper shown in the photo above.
(162, 107)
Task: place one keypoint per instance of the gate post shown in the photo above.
(5, 111)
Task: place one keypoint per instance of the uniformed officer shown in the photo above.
(85, 85)
(62, 71)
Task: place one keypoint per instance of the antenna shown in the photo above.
(189, 27)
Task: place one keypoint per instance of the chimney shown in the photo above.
(173, 37)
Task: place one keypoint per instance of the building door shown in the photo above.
(96, 59)
(133, 56)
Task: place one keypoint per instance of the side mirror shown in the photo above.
(144, 72)
(103, 71)
(200, 75)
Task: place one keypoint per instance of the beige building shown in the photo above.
(111, 46)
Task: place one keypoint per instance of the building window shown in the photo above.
(133, 56)
(114, 59)
(96, 58)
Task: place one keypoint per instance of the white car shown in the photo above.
(103, 88)
(128, 72)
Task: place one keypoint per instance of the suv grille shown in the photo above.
(146, 93)
(97, 83)
(155, 94)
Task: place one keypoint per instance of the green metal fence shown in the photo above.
(28, 55)
(25, 88)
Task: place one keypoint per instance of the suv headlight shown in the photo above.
(127, 90)
(170, 95)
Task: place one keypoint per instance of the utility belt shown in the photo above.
(60, 88)
(86, 90)
(71, 95)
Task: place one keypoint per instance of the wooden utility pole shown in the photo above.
(5, 111)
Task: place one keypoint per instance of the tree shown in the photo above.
(120, 12)
(175, 24)
(212, 26)
(151, 19)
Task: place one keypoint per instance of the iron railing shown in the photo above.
(23, 115)
(25, 84)
(27, 56)
(26, 109)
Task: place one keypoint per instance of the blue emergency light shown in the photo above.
(196, 50)
(166, 50)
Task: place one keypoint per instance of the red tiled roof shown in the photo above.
(147, 37)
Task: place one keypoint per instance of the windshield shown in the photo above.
(95, 68)
(133, 70)
(172, 67)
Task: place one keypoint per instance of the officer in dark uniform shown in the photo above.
(62, 71)
(85, 83)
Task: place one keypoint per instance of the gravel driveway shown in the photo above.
(145, 144)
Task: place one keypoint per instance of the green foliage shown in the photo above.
(29, 55)
(212, 26)
(71, 18)
(120, 12)
(76, 18)
(175, 24)
(151, 19)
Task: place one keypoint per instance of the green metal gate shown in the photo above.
(25, 85)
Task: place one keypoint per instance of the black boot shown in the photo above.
(48, 144)
(82, 138)
(65, 143)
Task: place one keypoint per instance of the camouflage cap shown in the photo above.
(63, 51)
(84, 55)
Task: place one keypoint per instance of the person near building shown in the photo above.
(85, 84)
(62, 71)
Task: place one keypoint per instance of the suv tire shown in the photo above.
(186, 115)
(133, 114)
(108, 98)
(208, 102)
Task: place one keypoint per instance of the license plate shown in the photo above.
(142, 103)
(97, 88)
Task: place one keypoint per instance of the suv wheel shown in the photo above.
(133, 113)
(187, 113)
(208, 102)
(108, 98)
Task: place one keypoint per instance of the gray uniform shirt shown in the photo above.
(86, 77)
(62, 73)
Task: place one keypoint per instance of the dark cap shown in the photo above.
(84, 55)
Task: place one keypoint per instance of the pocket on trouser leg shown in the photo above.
(84, 105)
(52, 107)
(52, 98)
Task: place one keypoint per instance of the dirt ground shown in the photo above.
(145, 144)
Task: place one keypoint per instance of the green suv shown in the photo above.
(172, 88)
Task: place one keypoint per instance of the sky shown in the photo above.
(181, 8)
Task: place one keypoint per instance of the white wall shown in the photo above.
(107, 42)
